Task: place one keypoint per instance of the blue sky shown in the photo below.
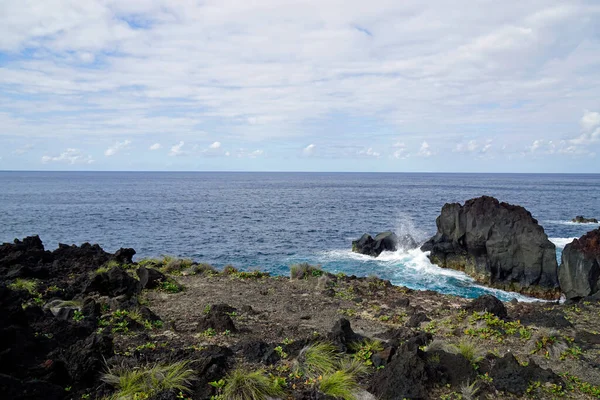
(301, 85)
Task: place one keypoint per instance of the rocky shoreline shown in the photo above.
(81, 323)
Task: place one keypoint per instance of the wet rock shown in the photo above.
(580, 219)
(509, 376)
(579, 273)
(498, 244)
(150, 278)
(386, 241)
(342, 334)
(488, 303)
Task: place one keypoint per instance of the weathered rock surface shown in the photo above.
(498, 244)
(579, 272)
(488, 303)
(580, 219)
(385, 241)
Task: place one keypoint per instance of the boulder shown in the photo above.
(488, 303)
(404, 377)
(498, 244)
(150, 278)
(124, 255)
(579, 272)
(386, 241)
(115, 282)
(580, 219)
(342, 334)
(217, 319)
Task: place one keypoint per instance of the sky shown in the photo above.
(300, 85)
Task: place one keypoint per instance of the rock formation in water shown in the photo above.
(580, 219)
(385, 241)
(579, 272)
(498, 244)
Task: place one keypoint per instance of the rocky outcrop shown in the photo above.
(580, 219)
(488, 303)
(498, 244)
(579, 272)
(385, 241)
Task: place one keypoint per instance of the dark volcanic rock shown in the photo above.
(416, 319)
(124, 255)
(488, 303)
(150, 278)
(115, 282)
(447, 368)
(217, 319)
(404, 377)
(580, 219)
(342, 334)
(510, 376)
(579, 272)
(386, 241)
(498, 244)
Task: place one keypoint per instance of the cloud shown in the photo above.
(400, 151)
(474, 146)
(369, 153)
(215, 145)
(155, 146)
(69, 156)
(117, 147)
(590, 124)
(424, 150)
(256, 153)
(309, 150)
(176, 150)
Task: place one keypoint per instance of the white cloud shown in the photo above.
(369, 153)
(424, 150)
(176, 150)
(309, 150)
(256, 153)
(117, 147)
(215, 145)
(590, 124)
(401, 152)
(70, 156)
(155, 146)
(473, 146)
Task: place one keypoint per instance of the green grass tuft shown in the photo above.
(28, 285)
(250, 385)
(340, 385)
(469, 350)
(139, 381)
(305, 271)
(318, 359)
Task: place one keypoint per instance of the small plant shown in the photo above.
(280, 352)
(206, 310)
(287, 341)
(78, 316)
(241, 384)
(469, 350)
(139, 381)
(101, 270)
(469, 391)
(365, 349)
(230, 270)
(340, 385)
(349, 312)
(210, 332)
(170, 286)
(27, 285)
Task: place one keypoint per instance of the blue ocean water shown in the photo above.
(272, 220)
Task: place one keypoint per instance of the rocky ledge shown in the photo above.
(81, 323)
(582, 220)
(499, 244)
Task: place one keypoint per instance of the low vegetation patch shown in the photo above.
(305, 271)
(242, 384)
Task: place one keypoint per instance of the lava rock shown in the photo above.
(385, 241)
(342, 334)
(488, 303)
(150, 278)
(218, 319)
(579, 272)
(116, 282)
(498, 244)
(447, 368)
(416, 319)
(580, 219)
(124, 255)
(510, 376)
(404, 377)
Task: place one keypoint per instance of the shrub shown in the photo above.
(340, 385)
(173, 265)
(365, 349)
(28, 285)
(304, 271)
(139, 381)
(250, 385)
(469, 350)
(229, 270)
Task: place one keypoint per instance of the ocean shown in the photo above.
(268, 221)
